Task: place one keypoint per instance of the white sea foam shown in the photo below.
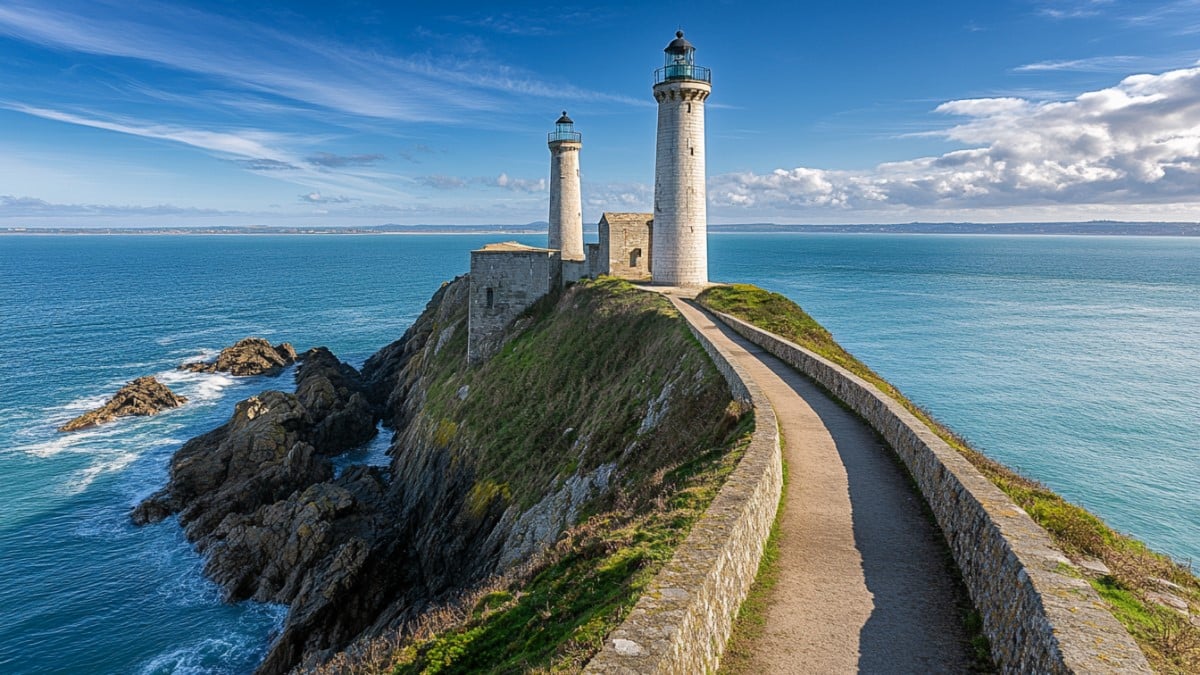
(197, 658)
(197, 386)
(85, 403)
(82, 479)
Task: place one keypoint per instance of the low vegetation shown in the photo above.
(600, 375)
(555, 615)
(1139, 579)
(751, 620)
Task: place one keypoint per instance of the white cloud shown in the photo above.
(1135, 143)
(519, 184)
(250, 144)
(12, 206)
(263, 59)
(318, 198)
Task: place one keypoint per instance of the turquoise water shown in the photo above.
(1074, 359)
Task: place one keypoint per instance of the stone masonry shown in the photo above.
(1038, 613)
(566, 209)
(680, 213)
(684, 618)
(626, 245)
(506, 279)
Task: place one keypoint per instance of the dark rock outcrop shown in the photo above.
(143, 396)
(366, 552)
(274, 444)
(251, 356)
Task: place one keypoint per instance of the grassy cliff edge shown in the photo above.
(1138, 584)
(602, 379)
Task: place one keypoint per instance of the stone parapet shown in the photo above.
(683, 620)
(1038, 613)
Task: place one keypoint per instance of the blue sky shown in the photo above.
(170, 113)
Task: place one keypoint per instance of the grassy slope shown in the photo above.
(1170, 642)
(566, 395)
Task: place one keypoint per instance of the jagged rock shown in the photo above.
(251, 356)
(274, 444)
(1169, 600)
(143, 396)
(371, 550)
(1093, 567)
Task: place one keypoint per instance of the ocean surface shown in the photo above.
(1073, 359)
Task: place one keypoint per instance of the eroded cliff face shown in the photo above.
(595, 393)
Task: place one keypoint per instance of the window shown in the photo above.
(491, 298)
(635, 257)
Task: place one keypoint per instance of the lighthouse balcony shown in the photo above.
(682, 71)
(573, 136)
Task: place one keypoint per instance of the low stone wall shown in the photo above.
(683, 620)
(1039, 615)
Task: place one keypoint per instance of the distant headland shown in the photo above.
(1089, 228)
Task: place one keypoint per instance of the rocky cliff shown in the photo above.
(597, 395)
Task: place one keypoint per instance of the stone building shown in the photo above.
(626, 245)
(668, 247)
(505, 280)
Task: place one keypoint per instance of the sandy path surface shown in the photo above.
(864, 584)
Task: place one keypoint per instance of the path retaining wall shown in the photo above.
(683, 620)
(1039, 615)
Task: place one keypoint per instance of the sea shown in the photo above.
(1075, 360)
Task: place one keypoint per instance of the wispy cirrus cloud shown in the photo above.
(502, 181)
(12, 206)
(442, 182)
(332, 161)
(318, 198)
(1137, 142)
(252, 144)
(262, 59)
(1104, 64)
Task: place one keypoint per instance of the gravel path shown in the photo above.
(864, 582)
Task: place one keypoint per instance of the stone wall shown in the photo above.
(683, 620)
(626, 240)
(594, 264)
(505, 280)
(1039, 615)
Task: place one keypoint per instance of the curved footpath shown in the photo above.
(865, 583)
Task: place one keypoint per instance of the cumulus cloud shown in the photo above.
(518, 184)
(619, 196)
(1135, 143)
(332, 161)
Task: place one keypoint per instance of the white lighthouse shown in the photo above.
(680, 243)
(566, 207)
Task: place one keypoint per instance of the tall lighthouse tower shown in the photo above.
(566, 208)
(680, 245)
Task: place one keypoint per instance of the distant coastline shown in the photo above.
(1090, 228)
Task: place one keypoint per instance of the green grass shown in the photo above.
(558, 620)
(570, 391)
(1171, 646)
(566, 394)
(752, 615)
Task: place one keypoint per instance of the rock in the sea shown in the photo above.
(251, 356)
(143, 396)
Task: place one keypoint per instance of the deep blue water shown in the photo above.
(1076, 360)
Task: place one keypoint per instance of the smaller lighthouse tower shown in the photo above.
(680, 246)
(566, 207)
